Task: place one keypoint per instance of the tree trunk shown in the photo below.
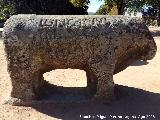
(157, 5)
(158, 20)
(120, 7)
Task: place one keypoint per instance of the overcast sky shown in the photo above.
(94, 5)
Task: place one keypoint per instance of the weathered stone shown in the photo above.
(100, 45)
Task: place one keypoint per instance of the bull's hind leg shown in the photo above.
(25, 80)
(22, 92)
(104, 77)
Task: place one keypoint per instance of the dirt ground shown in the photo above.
(137, 94)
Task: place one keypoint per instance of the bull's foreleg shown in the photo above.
(105, 87)
(91, 82)
(104, 77)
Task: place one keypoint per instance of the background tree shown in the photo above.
(123, 5)
(81, 5)
(156, 5)
(6, 8)
(109, 4)
(54, 7)
(132, 6)
(43, 7)
(103, 10)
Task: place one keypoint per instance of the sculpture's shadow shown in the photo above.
(129, 102)
(60, 94)
(155, 33)
(139, 63)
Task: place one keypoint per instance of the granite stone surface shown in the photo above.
(100, 45)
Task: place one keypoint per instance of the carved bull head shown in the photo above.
(149, 51)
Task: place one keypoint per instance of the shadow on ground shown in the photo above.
(155, 33)
(139, 63)
(129, 102)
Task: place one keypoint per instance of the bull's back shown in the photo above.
(56, 27)
(71, 38)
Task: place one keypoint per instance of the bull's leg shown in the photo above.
(25, 78)
(44, 87)
(91, 82)
(105, 85)
(22, 92)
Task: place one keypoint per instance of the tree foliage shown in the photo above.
(44, 7)
(103, 10)
(156, 5)
(114, 11)
(81, 5)
(6, 8)
(110, 4)
(120, 4)
(59, 7)
(131, 6)
(123, 5)
(136, 5)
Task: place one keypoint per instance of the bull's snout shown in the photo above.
(150, 51)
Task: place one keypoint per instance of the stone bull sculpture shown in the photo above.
(100, 45)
